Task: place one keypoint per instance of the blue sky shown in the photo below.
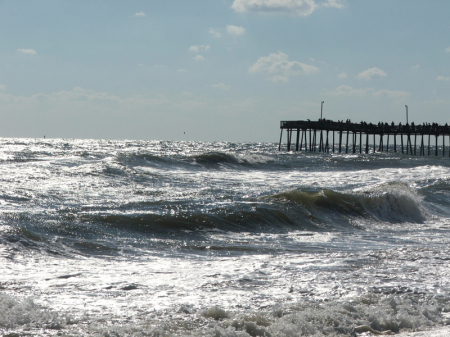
(217, 69)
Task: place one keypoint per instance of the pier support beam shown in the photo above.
(301, 139)
(415, 143)
(422, 148)
(410, 144)
(281, 135)
(374, 143)
(360, 142)
(367, 143)
(321, 142)
(314, 140)
(346, 144)
(333, 141)
(306, 140)
(289, 134)
(395, 142)
(436, 149)
(380, 147)
(401, 138)
(387, 143)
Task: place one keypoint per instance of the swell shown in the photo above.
(208, 160)
(261, 219)
(392, 202)
(312, 210)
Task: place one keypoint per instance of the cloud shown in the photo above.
(447, 50)
(199, 58)
(415, 67)
(391, 93)
(292, 7)
(369, 73)
(334, 3)
(214, 33)
(346, 90)
(280, 68)
(140, 14)
(443, 78)
(278, 78)
(27, 51)
(2, 87)
(181, 70)
(342, 75)
(235, 30)
(81, 113)
(221, 86)
(200, 48)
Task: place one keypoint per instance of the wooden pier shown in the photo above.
(319, 136)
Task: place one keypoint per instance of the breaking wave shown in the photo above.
(395, 203)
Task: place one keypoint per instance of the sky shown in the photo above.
(218, 70)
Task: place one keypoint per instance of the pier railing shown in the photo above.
(320, 140)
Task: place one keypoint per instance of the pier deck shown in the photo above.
(320, 140)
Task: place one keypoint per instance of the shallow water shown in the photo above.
(135, 238)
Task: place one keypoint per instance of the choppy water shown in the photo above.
(134, 238)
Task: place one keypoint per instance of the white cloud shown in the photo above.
(292, 7)
(278, 78)
(235, 30)
(280, 68)
(296, 7)
(369, 73)
(443, 78)
(199, 58)
(346, 90)
(447, 50)
(181, 70)
(214, 33)
(391, 93)
(140, 14)
(334, 3)
(415, 67)
(199, 48)
(342, 75)
(2, 87)
(221, 86)
(81, 113)
(27, 51)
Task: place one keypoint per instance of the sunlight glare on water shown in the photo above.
(134, 238)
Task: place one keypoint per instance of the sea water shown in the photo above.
(159, 238)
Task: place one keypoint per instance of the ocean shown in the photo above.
(161, 238)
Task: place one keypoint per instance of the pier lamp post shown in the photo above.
(321, 109)
(406, 114)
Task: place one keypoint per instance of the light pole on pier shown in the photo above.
(406, 114)
(321, 109)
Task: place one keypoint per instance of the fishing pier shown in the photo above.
(320, 136)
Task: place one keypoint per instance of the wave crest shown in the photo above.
(394, 203)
